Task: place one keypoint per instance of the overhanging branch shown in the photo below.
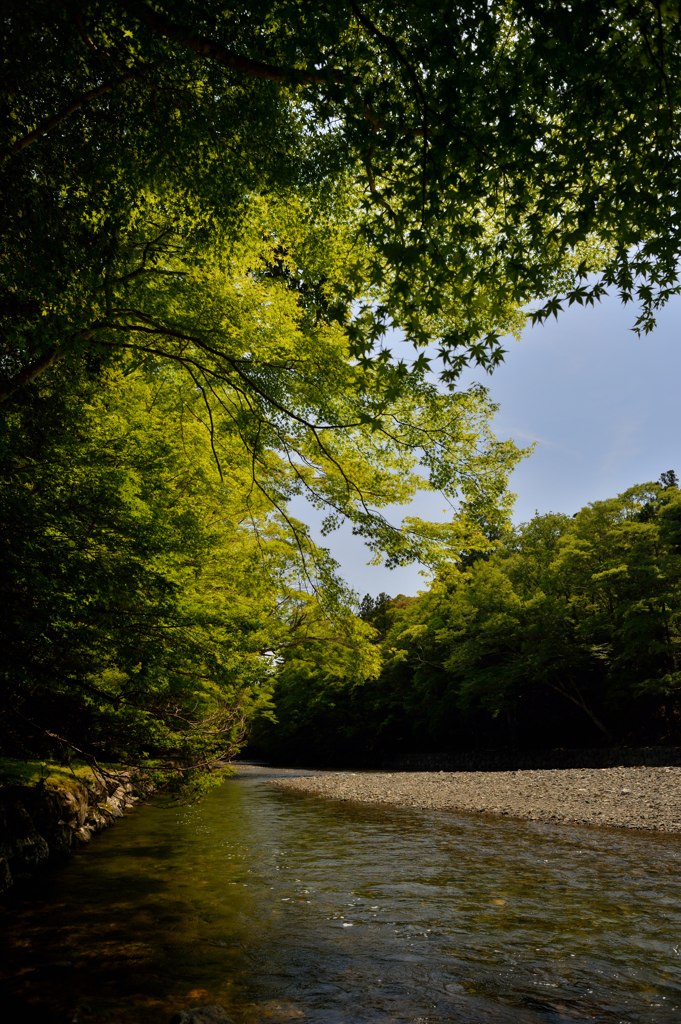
(52, 122)
(162, 26)
(29, 373)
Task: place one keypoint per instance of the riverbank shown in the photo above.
(42, 816)
(642, 798)
(519, 760)
(283, 908)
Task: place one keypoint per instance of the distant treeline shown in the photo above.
(567, 633)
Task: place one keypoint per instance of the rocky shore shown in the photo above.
(641, 797)
(41, 823)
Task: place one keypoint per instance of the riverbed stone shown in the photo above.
(210, 1014)
(626, 797)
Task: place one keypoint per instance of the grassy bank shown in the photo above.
(47, 773)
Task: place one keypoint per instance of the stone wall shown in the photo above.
(40, 823)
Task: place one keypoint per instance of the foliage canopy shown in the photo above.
(209, 223)
(480, 156)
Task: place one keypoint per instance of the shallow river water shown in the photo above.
(284, 907)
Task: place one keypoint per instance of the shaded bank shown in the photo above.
(499, 760)
(517, 760)
(41, 821)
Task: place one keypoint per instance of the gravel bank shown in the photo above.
(645, 798)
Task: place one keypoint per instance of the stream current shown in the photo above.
(283, 907)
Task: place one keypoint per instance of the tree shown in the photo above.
(586, 609)
(275, 372)
(146, 597)
(152, 575)
(321, 688)
(376, 612)
(566, 634)
(495, 154)
(247, 204)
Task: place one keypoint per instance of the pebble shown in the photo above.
(643, 797)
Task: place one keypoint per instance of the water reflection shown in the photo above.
(282, 907)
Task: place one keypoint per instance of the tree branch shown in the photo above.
(159, 24)
(584, 707)
(52, 122)
(29, 373)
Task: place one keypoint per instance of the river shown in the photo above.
(284, 907)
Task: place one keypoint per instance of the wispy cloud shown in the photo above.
(625, 444)
(523, 435)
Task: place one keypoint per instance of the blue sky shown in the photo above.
(603, 405)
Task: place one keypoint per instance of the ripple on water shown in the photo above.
(283, 907)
